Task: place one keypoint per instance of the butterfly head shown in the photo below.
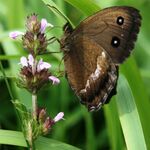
(67, 29)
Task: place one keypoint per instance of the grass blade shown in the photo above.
(129, 117)
(57, 11)
(87, 7)
(42, 143)
(132, 74)
(113, 126)
(12, 138)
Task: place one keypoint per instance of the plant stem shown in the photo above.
(6, 81)
(32, 148)
(34, 105)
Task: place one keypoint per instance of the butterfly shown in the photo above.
(94, 50)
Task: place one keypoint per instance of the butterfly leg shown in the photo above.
(53, 39)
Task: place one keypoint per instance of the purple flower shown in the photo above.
(54, 79)
(23, 61)
(59, 116)
(15, 34)
(30, 60)
(44, 25)
(26, 62)
(42, 65)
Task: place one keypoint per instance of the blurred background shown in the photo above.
(91, 131)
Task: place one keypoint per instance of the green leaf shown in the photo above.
(132, 74)
(25, 118)
(113, 125)
(129, 117)
(90, 141)
(87, 7)
(47, 144)
(42, 143)
(23, 112)
(12, 138)
(58, 12)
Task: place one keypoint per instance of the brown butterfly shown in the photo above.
(94, 50)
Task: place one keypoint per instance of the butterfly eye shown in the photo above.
(120, 20)
(115, 42)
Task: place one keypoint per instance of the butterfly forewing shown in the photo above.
(115, 29)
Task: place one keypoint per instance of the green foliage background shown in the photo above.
(122, 124)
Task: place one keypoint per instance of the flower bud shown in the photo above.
(33, 25)
(42, 115)
(47, 125)
(28, 41)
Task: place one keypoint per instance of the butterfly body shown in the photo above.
(93, 51)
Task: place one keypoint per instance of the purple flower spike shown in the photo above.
(15, 34)
(54, 79)
(59, 116)
(44, 25)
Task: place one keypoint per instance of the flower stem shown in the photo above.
(34, 105)
(32, 148)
